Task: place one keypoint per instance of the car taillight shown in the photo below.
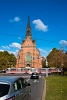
(11, 98)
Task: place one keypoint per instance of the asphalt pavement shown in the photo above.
(37, 86)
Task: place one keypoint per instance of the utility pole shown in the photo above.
(46, 68)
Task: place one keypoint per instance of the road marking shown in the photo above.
(36, 81)
(28, 80)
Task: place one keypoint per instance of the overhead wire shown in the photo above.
(35, 38)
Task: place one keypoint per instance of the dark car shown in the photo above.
(2, 71)
(34, 76)
(14, 88)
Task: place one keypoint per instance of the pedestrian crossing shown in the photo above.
(24, 76)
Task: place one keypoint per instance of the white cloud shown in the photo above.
(19, 38)
(40, 25)
(14, 52)
(5, 47)
(51, 50)
(16, 45)
(63, 42)
(43, 51)
(16, 19)
(2, 50)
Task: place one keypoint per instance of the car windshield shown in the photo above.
(4, 87)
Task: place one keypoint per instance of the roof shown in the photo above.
(28, 29)
(8, 79)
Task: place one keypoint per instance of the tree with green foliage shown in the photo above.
(55, 58)
(7, 60)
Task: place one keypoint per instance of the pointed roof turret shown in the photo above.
(28, 24)
(28, 29)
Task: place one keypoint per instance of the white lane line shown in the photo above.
(27, 80)
(36, 81)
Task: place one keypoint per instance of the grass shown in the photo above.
(56, 88)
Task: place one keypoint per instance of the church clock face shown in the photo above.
(28, 57)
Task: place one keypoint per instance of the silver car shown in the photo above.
(14, 88)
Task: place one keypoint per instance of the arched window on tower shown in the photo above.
(28, 57)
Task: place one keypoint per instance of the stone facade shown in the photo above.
(29, 56)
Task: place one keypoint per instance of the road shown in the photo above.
(37, 86)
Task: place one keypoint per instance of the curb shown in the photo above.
(44, 91)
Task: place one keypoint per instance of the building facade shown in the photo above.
(29, 56)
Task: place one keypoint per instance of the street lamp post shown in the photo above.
(11, 63)
(46, 63)
(46, 68)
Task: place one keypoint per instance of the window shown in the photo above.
(17, 85)
(4, 87)
(28, 57)
(24, 83)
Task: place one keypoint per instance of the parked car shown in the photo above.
(14, 88)
(2, 71)
(34, 76)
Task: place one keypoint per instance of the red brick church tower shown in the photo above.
(29, 55)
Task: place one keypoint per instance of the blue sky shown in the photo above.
(48, 19)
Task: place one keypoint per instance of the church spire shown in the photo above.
(28, 29)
